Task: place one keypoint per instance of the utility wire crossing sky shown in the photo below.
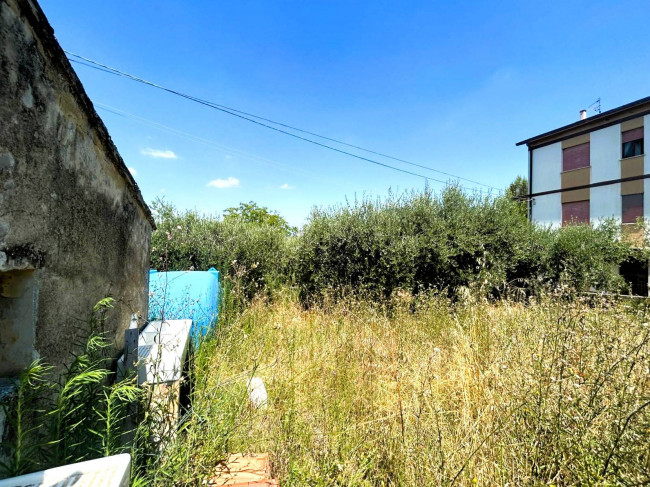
(441, 89)
(247, 116)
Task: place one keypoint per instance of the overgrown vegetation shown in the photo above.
(421, 339)
(416, 241)
(89, 411)
(424, 390)
(419, 241)
(255, 255)
(79, 415)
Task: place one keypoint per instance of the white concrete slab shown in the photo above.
(113, 471)
(162, 349)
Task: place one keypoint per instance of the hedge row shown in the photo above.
(414, 242)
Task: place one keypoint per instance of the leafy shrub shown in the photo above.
(256, 255)
(580, 256)
(412, 242)
(450, 241)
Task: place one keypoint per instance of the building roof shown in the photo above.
(45, 34)
(610, 117)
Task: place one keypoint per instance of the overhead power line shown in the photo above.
(252, 118)
(110, 70)
(195, 138)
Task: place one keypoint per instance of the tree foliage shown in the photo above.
(251, 212)
(414, 242)
(518, 190)
(519, 187)
(448, 242)
(253, 252)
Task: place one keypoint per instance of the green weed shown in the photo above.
(423, 390)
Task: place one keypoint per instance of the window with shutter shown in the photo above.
(632, 143)
(632, 207)
(575, 157)
(575, 212)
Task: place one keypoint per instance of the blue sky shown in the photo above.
(450, 85)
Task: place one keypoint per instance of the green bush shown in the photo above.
(255, 255)
(450, 241)
(579, 256)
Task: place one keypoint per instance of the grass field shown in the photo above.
(423, 391)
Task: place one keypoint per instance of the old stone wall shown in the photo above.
(73, 226)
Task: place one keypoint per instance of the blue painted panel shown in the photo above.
(179, 295)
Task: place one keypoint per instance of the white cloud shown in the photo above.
(133, 171)
(159, 154)
(224, 183)
(286, 186)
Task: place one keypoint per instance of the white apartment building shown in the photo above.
(591, 170)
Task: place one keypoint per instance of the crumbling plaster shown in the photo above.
(69, 208)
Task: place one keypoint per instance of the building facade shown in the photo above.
(603, 156)
(591, 170)
(73, 225)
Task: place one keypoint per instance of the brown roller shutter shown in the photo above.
(630, 135)
(575, 212)
(632, 207)
(575, 157)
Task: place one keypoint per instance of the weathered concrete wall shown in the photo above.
(69, 208)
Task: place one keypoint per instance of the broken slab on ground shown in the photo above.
(244, 470)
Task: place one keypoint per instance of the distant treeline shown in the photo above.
(451, 242)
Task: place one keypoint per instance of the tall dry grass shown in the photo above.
(423, 391)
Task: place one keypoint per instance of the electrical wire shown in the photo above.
(247, 116)
(165, 128)
(108, 69)
(195, 138)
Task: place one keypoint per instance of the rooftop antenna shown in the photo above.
(595, 108)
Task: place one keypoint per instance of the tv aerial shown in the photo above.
(595, 106)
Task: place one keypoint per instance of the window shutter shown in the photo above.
(575, 157)
(575, 212)
(632, 207)
(631, 135)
